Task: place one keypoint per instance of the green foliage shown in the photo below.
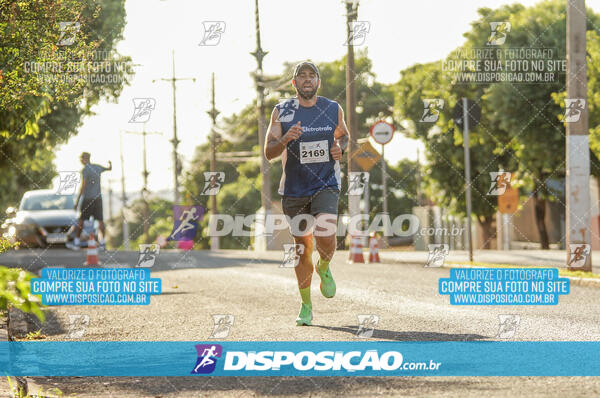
(520, 129)
(41, 108)
(15, 288)
(160, 221)
(593, 99)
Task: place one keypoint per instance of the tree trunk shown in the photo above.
(540, 214)
(489, 232)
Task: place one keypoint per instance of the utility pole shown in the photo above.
(145, 174)
(175, 141)
(577, 157)
(465, 104)
(265, 196)
(384, 183)
(351, 120)
(123, 197)
(418, 178)
(213, 113)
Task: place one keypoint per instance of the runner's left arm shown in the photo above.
(341, 135)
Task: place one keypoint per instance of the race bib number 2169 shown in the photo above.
(314, 152)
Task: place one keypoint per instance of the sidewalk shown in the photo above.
(549, 258)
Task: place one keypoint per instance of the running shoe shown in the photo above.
(305, 315)
(327, 283)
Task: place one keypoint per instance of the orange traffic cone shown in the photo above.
(373, 250)
(92, 251)
(356, 254)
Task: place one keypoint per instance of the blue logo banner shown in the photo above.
(307, 358)
(95, 286)
(504, 286)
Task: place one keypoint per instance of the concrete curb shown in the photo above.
(574, 280)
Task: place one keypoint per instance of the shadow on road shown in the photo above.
(407, 336)
(34, 260)
(255, 386)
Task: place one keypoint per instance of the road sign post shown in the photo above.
(383, 132)
(467, 114)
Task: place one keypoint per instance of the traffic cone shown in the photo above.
(92, 251)
(356, 253)
(373, 250)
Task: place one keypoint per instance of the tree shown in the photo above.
(160, 220)
(444, 166)
(47, 88)
(520, 123)
(528, 111)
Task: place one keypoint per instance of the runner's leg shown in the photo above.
(324, 206)
(325, 235)
(304, 269)
(301, 228)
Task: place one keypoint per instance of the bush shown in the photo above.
(15, 288)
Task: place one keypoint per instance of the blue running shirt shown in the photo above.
(307, 164)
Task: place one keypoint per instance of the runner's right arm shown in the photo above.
(276, 142)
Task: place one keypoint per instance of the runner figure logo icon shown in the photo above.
(431, 110)
(186, 219)
(147, 255)
(291, 255)
(68, 182)
(77, 325)
(508, 325)
(142, 109)
(287, 110)
(578, 254)
(366, 325)
(499, 32)
(213, 180)
(212, 32)
(223, 324)
(358, 32)
(357, 180)
(68, 33)
(437, 254)
(500, 181)
(207, 358)
(573, 109)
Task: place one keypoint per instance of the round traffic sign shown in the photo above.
(382, 132)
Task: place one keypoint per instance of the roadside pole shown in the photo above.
(467, 173)
(579, 254)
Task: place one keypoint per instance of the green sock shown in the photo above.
(322, 265)
(305, 295)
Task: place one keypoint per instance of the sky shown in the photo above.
(401, 34)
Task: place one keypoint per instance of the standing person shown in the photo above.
(91, 197)
(310, 134)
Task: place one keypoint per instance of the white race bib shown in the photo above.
(314, 152)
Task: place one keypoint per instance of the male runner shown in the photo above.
(310, 134)
(91, 204)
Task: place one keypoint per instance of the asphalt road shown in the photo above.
(264, 301)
